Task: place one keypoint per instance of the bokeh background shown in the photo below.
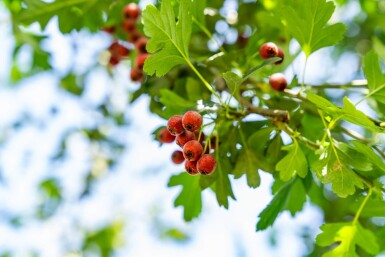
(81, 174)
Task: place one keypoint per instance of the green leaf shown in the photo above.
(259, 66)
(72, 14)
(348, 235)
(374, 75)
(331, 169)
(173, 102)
(293, 163)
(233, 81)
(169, 40)
(351, 114)
(307, 21)
(291, 196)
(373, 208)
(369, 154)
(352, 158)
(223, 189)
(193, 89)
(190, 196)
(248, 164)
(322, 103)
(348, 112)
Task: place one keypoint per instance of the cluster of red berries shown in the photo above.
(268, 50)
(131, 13)
(185, 131)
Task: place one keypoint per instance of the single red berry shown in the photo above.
(128, 25)
(164, 136)
(268, 50)
(192, 150)
(131, 11)
(192, 120)
(206, 164)
(177, 157)
(113, 61)
(184, 137)
(280, 54)
(118, 51)
(174, 125)
(136, 74)
(109, 29)
(134, 36)
(140, 45)
(139, 61)
(278, 82)
(191, 167)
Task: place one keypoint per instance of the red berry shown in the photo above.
(134, 36)
(192, 120)
(164, 136)
(140, 45)
(206, 164)
(174, 125)
(192, 150)
(136, 74)
(139, 61)
(184, 137)
(278, 82)
(109, 29)
(128, 25)
(131, 11)
(177, 157)
(280, 54)
(268, 50)
(113, 61)
(118, 51)
(191, 168)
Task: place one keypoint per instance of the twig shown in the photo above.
(357, 136)
(310, 144)
(278, 115)
(355, 83)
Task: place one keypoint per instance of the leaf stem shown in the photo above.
(370, 94)
(208, 34)
(296, 136)
(355, 220)
(359, 83)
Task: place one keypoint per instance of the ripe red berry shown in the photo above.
(191, 167)
(136, 74)
(113, 61)
(140, 45)
(177, 157)
(134, 36)
(118, 51)
(268, 50)
(164, 136)
(139, 61)
(128, 25)
(206, 164)
(184, 137)
(192, 150)
(131, 11)
(109, 29)
(280, 54)
(174, 125)
(278, 82)
(192, 120)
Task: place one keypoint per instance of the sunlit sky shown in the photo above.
(135, 191)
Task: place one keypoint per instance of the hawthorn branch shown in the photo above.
(277, 115)
(359, 83)
(362, 139)
(293, 134)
